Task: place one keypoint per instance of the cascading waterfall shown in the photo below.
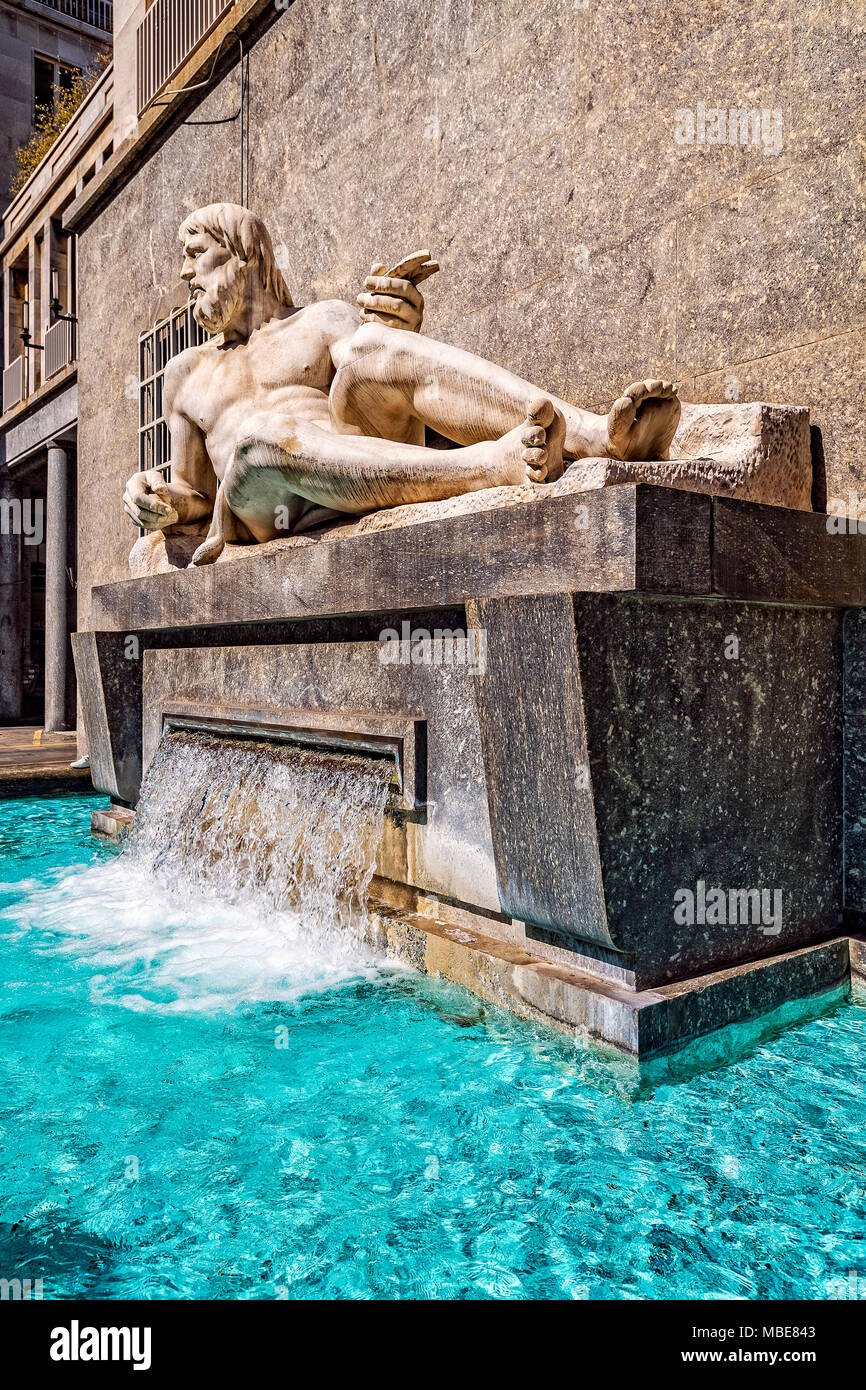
(243, 880)
(265, 824)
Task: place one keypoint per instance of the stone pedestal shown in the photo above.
(112, 823)
(640, 756)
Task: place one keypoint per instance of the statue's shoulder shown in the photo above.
(183, 363)
(332, 314)
(325, 322)
(179, 368)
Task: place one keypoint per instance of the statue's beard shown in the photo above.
(216, 307)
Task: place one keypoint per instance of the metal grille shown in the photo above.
(167, 35)
(156, 347)
(60, 346)
(98, 13)
(13, 383)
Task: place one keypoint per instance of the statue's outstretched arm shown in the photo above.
(153, 503)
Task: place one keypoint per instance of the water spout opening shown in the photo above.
(400, 742)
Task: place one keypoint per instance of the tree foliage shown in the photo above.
(52, 119)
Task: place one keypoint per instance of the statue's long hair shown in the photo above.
(246, 236)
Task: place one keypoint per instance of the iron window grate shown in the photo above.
(156, 347)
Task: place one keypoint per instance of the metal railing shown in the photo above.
(13, 383)
(60, 346)
(156, 348)
(166, 37)
(98, 13)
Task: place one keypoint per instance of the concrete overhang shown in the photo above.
(43, 420)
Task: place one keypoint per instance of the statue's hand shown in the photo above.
(392, 296)
(146, 501)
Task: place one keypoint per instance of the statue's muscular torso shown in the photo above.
(285, 366)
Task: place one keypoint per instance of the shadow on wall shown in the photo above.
(819, 471)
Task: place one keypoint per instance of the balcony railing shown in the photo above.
(59, 346)
(167, 35)
(98, 13)
(13, 383)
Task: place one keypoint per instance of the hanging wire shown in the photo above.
(164, 99)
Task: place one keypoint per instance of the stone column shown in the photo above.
(45, 277)
(71, 304)
(34, 295)
(56, 580)
(11, 627)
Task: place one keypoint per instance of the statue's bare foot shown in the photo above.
(642, 423)
(533, 451)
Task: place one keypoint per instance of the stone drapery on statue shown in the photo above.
(290, 419)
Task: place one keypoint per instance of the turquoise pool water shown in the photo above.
(197, 1102)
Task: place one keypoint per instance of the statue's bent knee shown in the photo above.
(373, 359)
(370, 337)
(372, 344)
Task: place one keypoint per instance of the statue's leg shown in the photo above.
(289, 474)
(270, 510)
(390, 379)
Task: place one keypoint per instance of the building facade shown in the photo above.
(611, 248)
(38, 426)
(42, 42)
(634, 233)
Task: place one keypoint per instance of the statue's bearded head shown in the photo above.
(228, 260)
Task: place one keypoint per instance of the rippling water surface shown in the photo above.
(201, 1100)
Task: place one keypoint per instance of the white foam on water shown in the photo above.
(243, 880)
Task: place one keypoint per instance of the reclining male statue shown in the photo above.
(289, 417)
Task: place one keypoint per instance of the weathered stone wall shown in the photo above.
(531, 145)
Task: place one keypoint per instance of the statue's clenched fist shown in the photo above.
(146, 501)
(392, 297)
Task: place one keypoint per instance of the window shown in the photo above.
(65, 76)
(48, 74)
(156, 347)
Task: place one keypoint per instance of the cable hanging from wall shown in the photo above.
(241, 115)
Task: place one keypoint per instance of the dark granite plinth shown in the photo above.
(644, 779)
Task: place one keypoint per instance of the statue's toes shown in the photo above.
(620, 419)
(541, 412)
(536, 464)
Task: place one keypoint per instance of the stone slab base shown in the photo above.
(857, 950)
(60, 780)
(112, 824)
(643, 1023)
